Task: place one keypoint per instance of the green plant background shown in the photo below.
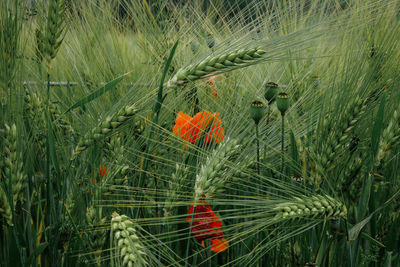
(323, 190)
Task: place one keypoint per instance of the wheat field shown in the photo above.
(200, 133)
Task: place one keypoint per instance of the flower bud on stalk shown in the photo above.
(257, 111)
(282, 102)
(270, 91)
(210, 40)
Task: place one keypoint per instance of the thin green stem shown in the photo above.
(283, 142)
(190, 232)
(154, 121)
(258, 237)
(258, 151)
(265, 143)
(209, 252)
(48, 164)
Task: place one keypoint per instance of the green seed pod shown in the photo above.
(257, 111)
(286, 209)
(299, 212)
(282, 102)
(316, 82)
(270, 91)
(229, 63)
(194, 46)
(210, 40)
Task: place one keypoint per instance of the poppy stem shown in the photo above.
(190, 232)
(258, 151)
(257, 239)
(265, 144)
(209, 254)
(283, 142)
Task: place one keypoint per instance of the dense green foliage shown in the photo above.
(95, 169)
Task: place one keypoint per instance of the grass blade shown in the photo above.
(99, 92)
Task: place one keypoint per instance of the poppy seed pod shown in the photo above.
(194, 46)
(282, 102)
(270, 91)
(210, 40)
(316, 82)
(257, 111)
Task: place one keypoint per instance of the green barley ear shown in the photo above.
(116, 181)
(63, 123)
(390, 135)
(349, 176)
(96, 236)
(36, 119)
(176, 189)
(130, 251)
(5, 209)
(214, 172)
(13, 164)
(39, 40)
(10, 30)
(105, 128)
(48, 41)
(138, 127)
(220, 63)
(337, 138)
(115, 148)
(317, 206)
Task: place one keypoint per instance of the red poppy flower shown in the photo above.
(103, 172)
(191, 129)
(207, 225)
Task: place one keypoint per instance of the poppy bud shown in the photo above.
(270, 91)
(316, 82)
(282, 102)
(194, 46)
(210, 40)
(257, 111)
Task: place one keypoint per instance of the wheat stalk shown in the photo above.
(176, 188)
(349, 175)
(220, 63)
(96, 237)
(105, 128)
(129, 247)
(5, 209)
(337, 138)
(35, 113)
(48, 41)
(13, 164)
(212, 64)
(213, 173)
(317, 206)
(9, 43)
(390, 135)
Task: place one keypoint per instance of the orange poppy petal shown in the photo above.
(190, 129)
(197, 125)
(219, 244)
(181, 122)
(216, 133)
